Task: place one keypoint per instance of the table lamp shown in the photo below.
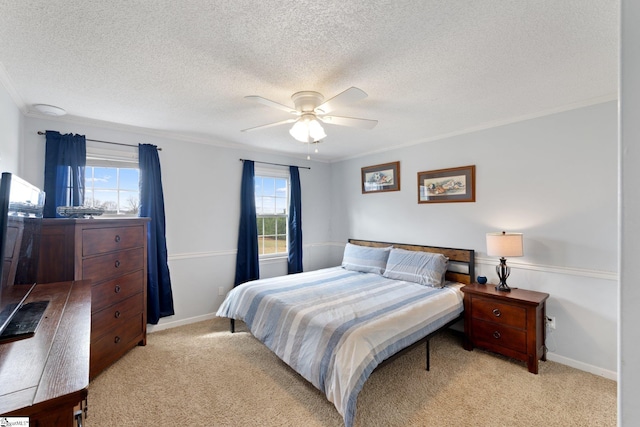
(504, 245)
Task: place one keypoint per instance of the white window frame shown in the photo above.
(100, 155)
(279, 173)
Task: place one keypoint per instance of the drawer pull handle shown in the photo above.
(496, 335)
(117, 289)
(116, 339)
(497, 312)
(116, 314)
(117, 263)
(117, 239)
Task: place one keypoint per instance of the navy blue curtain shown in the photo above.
(65, 160)
(159, 294)
(294, 263)
(247, 267)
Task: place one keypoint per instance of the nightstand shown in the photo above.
(508, 323)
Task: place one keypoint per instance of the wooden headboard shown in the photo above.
(461, 261)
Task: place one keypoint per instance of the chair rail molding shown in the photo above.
(571, 271)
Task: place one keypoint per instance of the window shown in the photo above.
(272, 200)
(114, 189)
(112, 180)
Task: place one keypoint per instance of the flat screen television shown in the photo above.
(21, 207)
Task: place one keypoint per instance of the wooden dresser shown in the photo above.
(509, 323)
(112, 254)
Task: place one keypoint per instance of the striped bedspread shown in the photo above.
(334, 326)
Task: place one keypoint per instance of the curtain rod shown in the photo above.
(276, 164)
(104, 142)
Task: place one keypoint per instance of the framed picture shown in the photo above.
(447, 185)
(385, 177)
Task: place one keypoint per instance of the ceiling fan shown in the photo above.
(310, 109)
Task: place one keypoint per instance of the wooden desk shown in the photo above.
(44, 377)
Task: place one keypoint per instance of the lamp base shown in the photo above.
(503, 287)
(503, 272)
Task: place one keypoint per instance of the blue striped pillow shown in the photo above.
(424, 268)
(365, 259)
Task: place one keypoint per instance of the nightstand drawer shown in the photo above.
(494, 335)
(497, 312)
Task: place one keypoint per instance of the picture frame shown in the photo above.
(381, 178)
(447, 185)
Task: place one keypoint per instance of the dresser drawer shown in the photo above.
(113, 264)
(110, 347)
(113, 316)
(106, 293)
(495, 311)
(102, 240)
(494, 335)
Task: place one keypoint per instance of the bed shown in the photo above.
(334, 326)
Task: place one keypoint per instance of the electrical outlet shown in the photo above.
(221, 291)
(551, 322)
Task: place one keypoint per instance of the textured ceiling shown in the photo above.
(430, 67)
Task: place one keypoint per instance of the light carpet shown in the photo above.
(202, 375)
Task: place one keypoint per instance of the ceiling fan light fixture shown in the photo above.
(49, 110)
(316, 132)
(300, 131)
(307, 129)
(311, 109)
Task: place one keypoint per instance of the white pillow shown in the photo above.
(365, 259)
(424, 268)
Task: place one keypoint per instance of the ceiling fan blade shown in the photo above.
(349, 96)
(283, 122)
(349, 121)
(270, 103)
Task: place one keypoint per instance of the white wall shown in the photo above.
(554, 178)
(202, 202)
(10, 131)
(628, 366)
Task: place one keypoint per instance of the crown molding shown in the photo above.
(492, 124)
(179, 137)
(8, 85)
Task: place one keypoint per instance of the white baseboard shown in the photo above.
(612, 375)
(169, 325)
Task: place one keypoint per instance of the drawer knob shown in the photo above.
(116, 314)
(116, 339)
(117, 263)
(117, 289)
(496, 335)
(497, 312)
(117, 239)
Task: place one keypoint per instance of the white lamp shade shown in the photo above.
(300, 131)
(504, 244)
(307, 129)
(315, 131)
